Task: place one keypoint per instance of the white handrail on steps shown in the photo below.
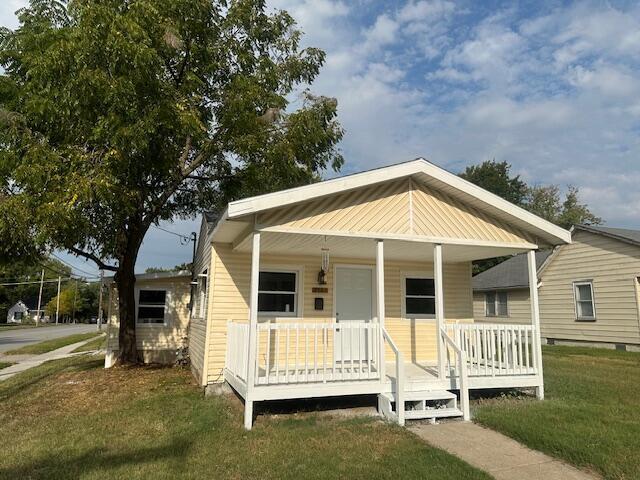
(462, 369)
(399, 377)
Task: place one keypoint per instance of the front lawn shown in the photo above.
(98, 343)
(590, 417)
(5, 364)
(49, 345)
(73, 419)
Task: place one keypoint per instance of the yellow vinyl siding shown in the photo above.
(230, 292)
(436, 214)
(198, 325)
(401, 207)
(612, 265)
(382, 208)
(157, 337)
(518, 307)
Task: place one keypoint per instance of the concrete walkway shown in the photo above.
(496, 454)
(25, 362)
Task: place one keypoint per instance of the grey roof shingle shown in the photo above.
(512, 273)
(621, 233)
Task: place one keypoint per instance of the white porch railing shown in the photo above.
(399, 388)
(237, 349)
(496, 349)
(458, 366)
(295, 353)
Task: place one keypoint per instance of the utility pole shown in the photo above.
(58, 301)
(40, 298)
(75, 294)
(100, 301)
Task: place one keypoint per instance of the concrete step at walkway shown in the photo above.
(496, 454)
(25, 362)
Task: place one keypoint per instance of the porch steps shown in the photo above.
(422, 404)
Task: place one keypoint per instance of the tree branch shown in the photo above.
(94, 258)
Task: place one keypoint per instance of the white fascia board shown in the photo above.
(495, 201)
(321, 189)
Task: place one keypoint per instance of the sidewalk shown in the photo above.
(496, 454)
(25, 362)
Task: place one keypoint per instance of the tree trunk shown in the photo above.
(126, 281)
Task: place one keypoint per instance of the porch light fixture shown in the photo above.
(324, 266)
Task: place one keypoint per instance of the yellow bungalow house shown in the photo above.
(362, 285)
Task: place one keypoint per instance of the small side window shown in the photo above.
(585, 306)
(496, 304)
(151, 306)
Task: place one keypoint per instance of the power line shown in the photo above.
(71, 266)
(184, 237)
(55, 280)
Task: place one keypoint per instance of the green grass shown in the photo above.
(72, 419)
(8, 326)
(590, 417)
(95, 344)
(5, 364)
(53, 344)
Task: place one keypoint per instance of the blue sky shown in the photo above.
(551, 87)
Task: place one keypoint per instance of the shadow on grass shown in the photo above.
(96, 460)
(27, 379)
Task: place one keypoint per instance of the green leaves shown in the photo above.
(112, 113)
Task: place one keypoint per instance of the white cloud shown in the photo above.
(607, 79)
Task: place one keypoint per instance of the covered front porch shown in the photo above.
(353, 329)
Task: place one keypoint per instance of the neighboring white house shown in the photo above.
(589, 290)
(18, 312)
(25, 310)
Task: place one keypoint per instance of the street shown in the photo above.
(19, 338)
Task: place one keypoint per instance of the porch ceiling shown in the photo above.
(278, 243)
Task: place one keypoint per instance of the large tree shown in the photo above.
(543, 200)
(115, 115)
(496, 178)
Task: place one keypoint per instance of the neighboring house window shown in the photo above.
(496, 304)
(278, 293)
(585, 307)
(152, 306)
(419, 297)
(17, 315)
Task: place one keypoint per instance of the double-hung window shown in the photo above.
(585, 307)
(419, 297)
(152, 306)
(278, 293)
(496, 304)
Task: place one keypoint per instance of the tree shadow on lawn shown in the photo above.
(17, 384)
(97, 460)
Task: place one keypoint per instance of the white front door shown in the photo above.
(354, 303)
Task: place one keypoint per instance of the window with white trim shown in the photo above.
(419, 297)
(202, 294)
(496, 304)
(278, 293)
(585, 306)
(151, 306)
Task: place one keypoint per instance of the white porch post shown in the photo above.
(380, 302)
(535, 318)
(253, 327)
(439, 291)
